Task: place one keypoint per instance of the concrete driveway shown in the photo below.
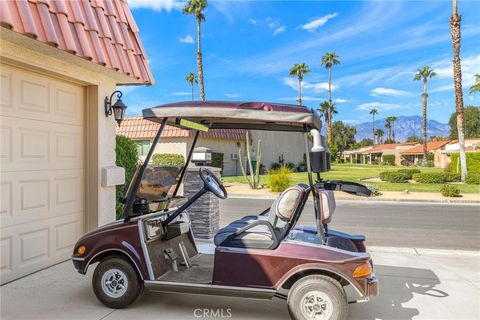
(429, 285)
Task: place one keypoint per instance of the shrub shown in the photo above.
(127, 158)
(451, 176)
(290, 165)
(448, 190)
(409, 172)
(473, 162)
(473, 178)
(374, 189)
(393, 176)
(168, 159)
(275, 166)
(279, 179)
(389, 159)
(430, 177)
(217, 160)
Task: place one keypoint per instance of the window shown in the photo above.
(142, 147)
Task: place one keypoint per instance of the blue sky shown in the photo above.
(249, 46)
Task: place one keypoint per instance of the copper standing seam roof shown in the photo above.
(138, 128)
(101, 31)
(431, 146)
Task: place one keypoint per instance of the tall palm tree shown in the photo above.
(299, 70)
(476, 86)
(423, 74)
(373, 112)
(195, 8)
(388, 126)
(192, 79)
(324, 110)
(379, 133)
(455, 21)
(393, 119)
(329, 60)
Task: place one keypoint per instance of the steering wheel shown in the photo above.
(212, 183)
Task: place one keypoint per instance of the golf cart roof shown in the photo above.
(237, 115)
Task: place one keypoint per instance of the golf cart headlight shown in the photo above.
(81, 250)
(362, 271)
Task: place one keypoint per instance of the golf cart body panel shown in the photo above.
(155, 236)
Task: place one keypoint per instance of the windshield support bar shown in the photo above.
(187, 161)
(138, 178)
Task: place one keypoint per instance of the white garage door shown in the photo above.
(42, 170)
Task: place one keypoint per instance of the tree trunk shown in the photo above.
(199, 62)
(455, 31)
(373, 128)
(424, 103)
(329, 112)
(193, 97)
(299, 100)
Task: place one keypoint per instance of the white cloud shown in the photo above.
(182, 93)
(318, 22)
(187, 39)
(157, 5)
(252, 21)
(279, 30)
(232, 95)
(470, 66)
(304, 98)
(379, 105)
(315, 87)
(339, 100)
(389, 92)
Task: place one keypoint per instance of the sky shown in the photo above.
(248, 48)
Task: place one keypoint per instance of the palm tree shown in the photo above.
(455, 21)
(196, 7)
(373, 112)
(299, 70)
(476, 86)
(328, 61)
(379, 133)
(393, 119)
(192, 79)
(388, 126)
(424, 74)
(324, 110)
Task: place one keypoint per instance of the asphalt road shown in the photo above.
(389, 224)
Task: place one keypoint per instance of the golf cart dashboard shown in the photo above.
(154, 228)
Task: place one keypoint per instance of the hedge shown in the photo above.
(430, 177)
(409, 172)
(389, 159)
(168, 159)
(473, 162)
(126, 157)
(217, 160)
(473, 178)
(393, 176)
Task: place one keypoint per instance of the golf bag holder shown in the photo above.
(345, 186)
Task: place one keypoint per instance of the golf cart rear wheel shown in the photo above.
(317, 297)
(116, 283)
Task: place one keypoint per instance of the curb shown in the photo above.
(366, 199)
(423, 251)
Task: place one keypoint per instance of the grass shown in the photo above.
(354, 173)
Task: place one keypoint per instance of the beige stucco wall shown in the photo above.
(274, 144)
(24, 52)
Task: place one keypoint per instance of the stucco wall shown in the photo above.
(100, 131)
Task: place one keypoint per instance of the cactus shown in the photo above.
(254, 179)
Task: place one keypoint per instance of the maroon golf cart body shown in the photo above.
(258, 256)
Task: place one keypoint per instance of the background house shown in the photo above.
(59, 60)
(452, 147)
(415, 154)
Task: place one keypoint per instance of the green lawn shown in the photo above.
(356, 172)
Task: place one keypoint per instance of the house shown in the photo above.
(59, 60)
(447, 150)
(374, 154)
(415, 154)
(179, 141)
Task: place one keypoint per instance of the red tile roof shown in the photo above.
(380, 148)
(101, 31)
(138, 128)
(431, 146)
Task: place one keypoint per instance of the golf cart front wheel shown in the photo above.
(116, 283)
(317, 297)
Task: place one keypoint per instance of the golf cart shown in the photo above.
(258, 256)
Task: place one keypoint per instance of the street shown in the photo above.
(389, 224)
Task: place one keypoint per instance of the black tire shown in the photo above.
(113, 268)
(322, 287)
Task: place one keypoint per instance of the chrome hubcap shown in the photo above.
(114, 283)
(316, 305)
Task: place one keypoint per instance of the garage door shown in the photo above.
(42, 170)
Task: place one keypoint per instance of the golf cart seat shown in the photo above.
(266, 231)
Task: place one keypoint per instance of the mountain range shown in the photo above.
(405, 126)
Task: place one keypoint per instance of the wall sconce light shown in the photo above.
(117, 109)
